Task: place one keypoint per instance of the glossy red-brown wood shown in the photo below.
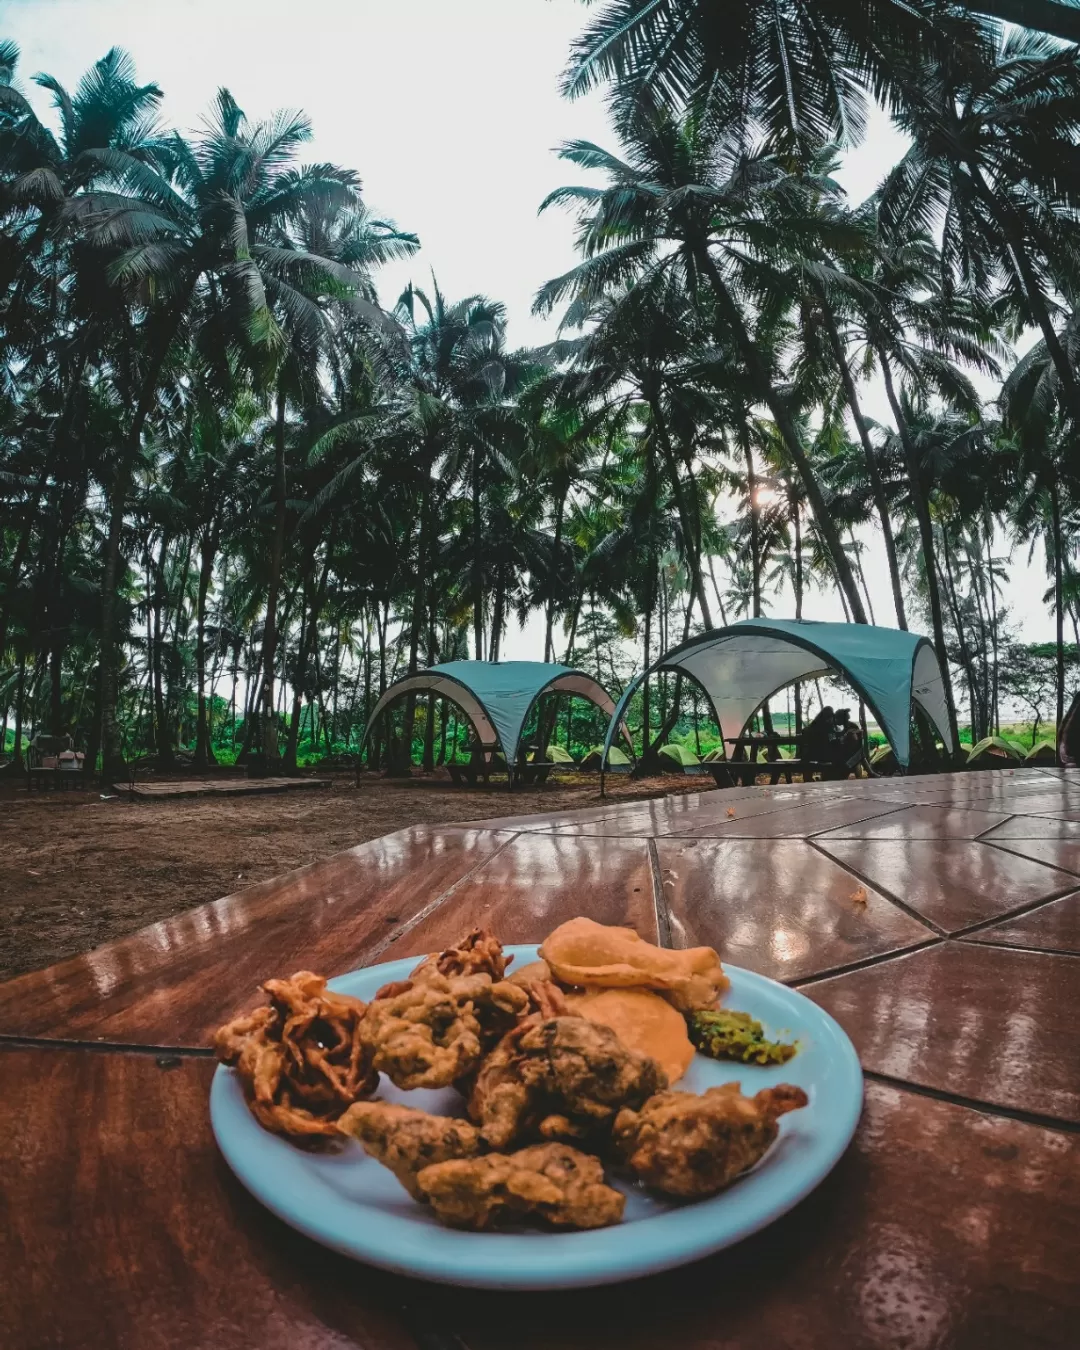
(537, 882)
(941, 1229)
(173, 983)
(939, 821)
(1054, 927)
(952, 882)
(779, 907)
(988, 1023)
(124, 1230)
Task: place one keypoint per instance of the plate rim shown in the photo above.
(589, 1258)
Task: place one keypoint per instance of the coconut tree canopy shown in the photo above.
(496, 696)
(740, 666)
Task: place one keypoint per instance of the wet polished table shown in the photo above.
(952, 1221)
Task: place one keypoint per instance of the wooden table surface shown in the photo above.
(950, 1223)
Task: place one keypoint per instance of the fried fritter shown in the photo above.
(558, 1077)
(435, 1029)
(301, 1060)
(545, 996)
(691, 1147)
(406, 1140)
(583, 952)
(549, 1184)
(478, 953)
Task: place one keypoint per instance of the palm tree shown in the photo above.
(201, 241)
(992, 164)
(801, 71)
(686, 201)
(1041, 444)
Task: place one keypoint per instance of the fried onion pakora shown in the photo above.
(301, 1059)
(406, 1140)
(548, 1184)
(432, 1030)
(559, 1077)
(690, 1147)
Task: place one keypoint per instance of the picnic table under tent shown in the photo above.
(496, 697)
(742, 665)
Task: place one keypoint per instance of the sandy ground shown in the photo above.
(77, 870)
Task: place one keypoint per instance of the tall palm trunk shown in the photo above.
(277, 549)
(23, 543)
(796, 520)
(755, 532)
(926, 538)
(204, 753)
(998, 207)
(477, 569)
(20, 686)
(967, 660)
(162, 739)
(873, 471)
(766, 390)
(109, 640)
(691, 541)
(556, 549)
(1059, 601)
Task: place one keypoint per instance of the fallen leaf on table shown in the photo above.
(731, 813)
(859, 897)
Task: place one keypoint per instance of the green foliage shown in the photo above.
(240, 494)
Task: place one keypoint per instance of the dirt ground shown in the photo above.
(77, 870)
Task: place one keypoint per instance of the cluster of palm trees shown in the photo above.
(238, 495)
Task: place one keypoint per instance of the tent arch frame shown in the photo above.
(485, 721)
(831, 664)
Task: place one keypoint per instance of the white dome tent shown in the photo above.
(496, 696)
(740, 666)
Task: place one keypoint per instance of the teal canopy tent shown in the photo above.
(740, 666)
(496, 696)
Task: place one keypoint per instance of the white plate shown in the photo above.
(352, 1204)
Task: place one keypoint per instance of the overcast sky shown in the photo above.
(449, 110)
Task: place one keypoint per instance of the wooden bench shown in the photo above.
(52, 761)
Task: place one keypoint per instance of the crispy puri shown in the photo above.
(690, 1147)
(406, 1140)
(436, 1029)
(583, 952)
(558, 1077)
(301, 1060)
(643, 1021)
(548, 1184)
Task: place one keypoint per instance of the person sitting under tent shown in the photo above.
(817, 736)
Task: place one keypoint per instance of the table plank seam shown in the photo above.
(1000, 824)
(433, 905)
(879, 959)
(873, 815)
(1004, 847)
(13, 1042)
(1024, 947)
(886, 894)
(1021, 912)
(663, 914)
(1036, 1118)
